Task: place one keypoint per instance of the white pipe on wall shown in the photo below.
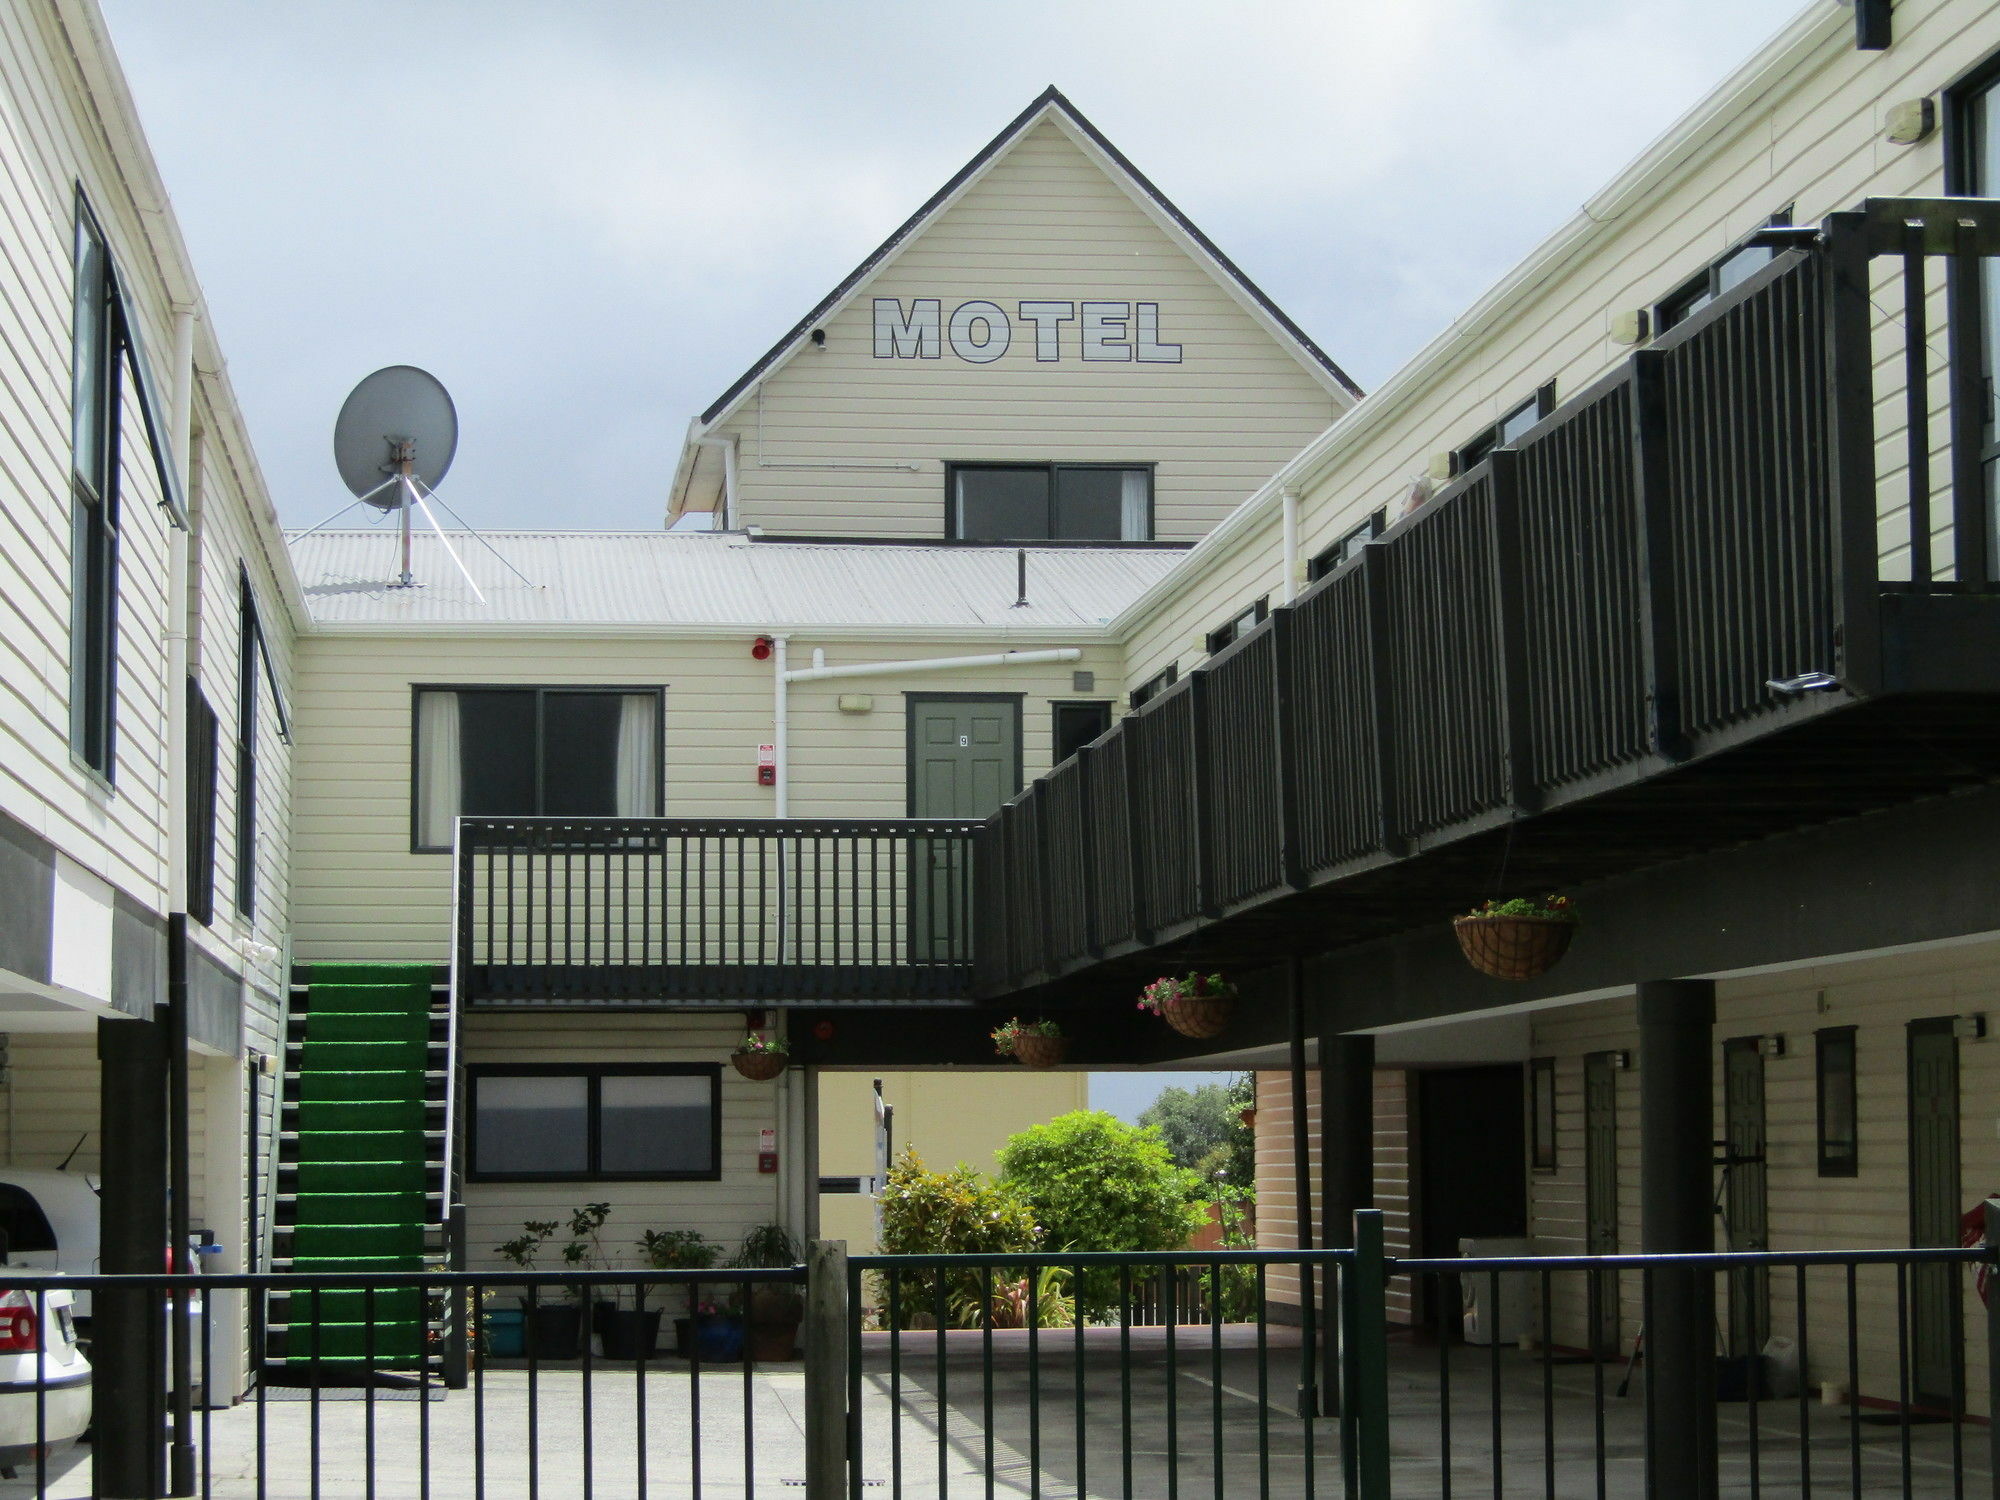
(180, 421)
(930, 664)
(781, 726)
(1290, 497)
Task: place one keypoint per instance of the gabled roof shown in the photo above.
(1050, 103)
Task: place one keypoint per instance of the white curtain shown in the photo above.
(438, 768)
(638, 759)
(1132, 507)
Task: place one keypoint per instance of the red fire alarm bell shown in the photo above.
(767, 1151)
(767, 765)
(761, 648)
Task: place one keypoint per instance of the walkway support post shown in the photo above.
(1346, 1161)
(826, 1370)
(1676, 1153)
(1302, 1189)
(1991, 1239)
(128, 1328)
(1364, 1362)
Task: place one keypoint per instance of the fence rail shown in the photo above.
(720, 911)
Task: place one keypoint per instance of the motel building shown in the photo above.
(1044, 613)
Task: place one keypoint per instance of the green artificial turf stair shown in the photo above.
(360, 1162)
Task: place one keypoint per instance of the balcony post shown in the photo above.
(1657, 592)
(1284, 712)
(1850, 405)
(1969, 526)
(1381, 698)
(1510, 628)
(1086, 852)
(1135, 841)
(1205, 884)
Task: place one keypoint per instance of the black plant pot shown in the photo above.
(554, 1330)
(683, 1334)
(628, 1334)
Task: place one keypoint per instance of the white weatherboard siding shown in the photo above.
(1044, 223)
(722, 1210)
(362, 894)
(1810, 137)
(1878, 996)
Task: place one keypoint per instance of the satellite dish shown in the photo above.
(398, 421)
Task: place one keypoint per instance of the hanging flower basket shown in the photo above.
(1033, 1044)
(760, 1058)
(1195, 1005)
(1516, 940)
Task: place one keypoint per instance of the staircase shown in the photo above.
(362, 1157)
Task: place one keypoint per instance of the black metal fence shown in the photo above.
(1860, 1373)
(708, 910)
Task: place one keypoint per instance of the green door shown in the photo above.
(1933, 1082)
(1745, 1202)
(1600, 1187)
(965, 760)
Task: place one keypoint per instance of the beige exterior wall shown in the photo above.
(722, 1210)
(964, 1115)
(362, 894)
(1812, 139)
(1878, 996)
(838, 442)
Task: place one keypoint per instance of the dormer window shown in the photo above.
(1049, 502)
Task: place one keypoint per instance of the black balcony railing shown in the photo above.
(1620, 592)
(725, 911)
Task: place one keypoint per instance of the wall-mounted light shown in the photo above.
(1621, 1061)
(1634, 325)
(1970, 1028)
(819, 338)
(1909, 122)
(857, 703)
(1772, 1045)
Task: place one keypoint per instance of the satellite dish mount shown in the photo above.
(400, 421)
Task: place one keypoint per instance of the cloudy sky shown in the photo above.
(589, 218)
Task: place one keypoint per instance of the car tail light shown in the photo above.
(20, 1331)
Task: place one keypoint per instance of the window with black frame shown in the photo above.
(1542, 1113)
(1737, 266)
(204, 744)
(95, 383)
(1237, 626)
(1511, 427)
(533, 752)
(1347, 547)
(594, 1122)
(1839, 1131)
(1973, 151)
(1157, 684)
(1049, 502)
(1076, 725)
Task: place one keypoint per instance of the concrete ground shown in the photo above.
(1231, 1430)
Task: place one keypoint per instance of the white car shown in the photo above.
(49, 1219)
(44, 1378)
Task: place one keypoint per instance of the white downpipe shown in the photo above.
(818, 673)
(1290, 497)
(781, 727)
(728, 447)
(180, 421)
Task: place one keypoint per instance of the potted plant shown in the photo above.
(679, 1250)
(774, 1310)
(760, 1058)
(1196, 1005)
(1033, 1044)
(550, 1330)
(1519, 939)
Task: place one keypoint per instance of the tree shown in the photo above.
(1096, 1183)
(960, 1212)
(1203, 1128)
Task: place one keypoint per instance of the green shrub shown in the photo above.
(960, 1212)
(1095, 1183)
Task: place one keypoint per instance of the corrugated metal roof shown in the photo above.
(709, 579)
